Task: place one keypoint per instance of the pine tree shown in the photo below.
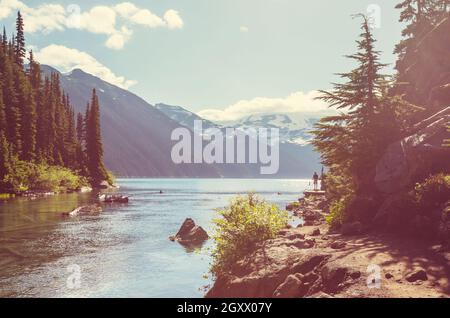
(2, 114)
(28, 121)
(4, 39)
(10, 98)
(71, 137)
(5, 167)
(20, 50)
(420, 16)
(80, 128)
(94, 147)
(80, 156)
(351, 143)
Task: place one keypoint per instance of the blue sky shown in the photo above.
(208, 54)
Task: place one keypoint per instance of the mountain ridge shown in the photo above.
(137, 135)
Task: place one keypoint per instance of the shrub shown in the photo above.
(247, 221)
(42, 177)
(338, 211)
(57, 179)
(433, 192)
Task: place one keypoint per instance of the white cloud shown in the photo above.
(117, 40)
(66, 59)
(113, 21)
(244, 29)
(147, 18)
(298, 102)
(126, 9)
(99, 20)
(173, 19)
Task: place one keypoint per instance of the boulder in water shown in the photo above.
(190, 234)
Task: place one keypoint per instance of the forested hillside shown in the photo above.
(45, 146)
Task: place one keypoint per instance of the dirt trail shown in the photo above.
(309, 261)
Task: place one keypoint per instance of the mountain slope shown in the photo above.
(136, 136)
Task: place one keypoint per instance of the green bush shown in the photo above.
(338, 211)
(247, 221)
(433, 192)
(29, 176)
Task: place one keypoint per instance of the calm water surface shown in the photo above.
(124, 251)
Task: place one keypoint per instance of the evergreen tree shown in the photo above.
(80, 128)
(4, 39)
(94, 147)
(351, 143)
(71, 137)
(420, 17)
(28, 122)
(80, 151)
(2, 114)
(10, 98)
(20, 50)
(5, 167)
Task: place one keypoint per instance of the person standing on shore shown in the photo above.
(316, 181)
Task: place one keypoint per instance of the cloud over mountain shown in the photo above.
(298, 102)
(66, 59)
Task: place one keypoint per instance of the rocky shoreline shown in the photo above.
(313, 261)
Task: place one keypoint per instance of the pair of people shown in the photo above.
(316, 181)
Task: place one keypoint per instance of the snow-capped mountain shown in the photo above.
(293, 127)
(184, 117)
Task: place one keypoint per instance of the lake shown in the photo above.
(125, 250)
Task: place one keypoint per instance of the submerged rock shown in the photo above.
(85, 210)
(190, 234)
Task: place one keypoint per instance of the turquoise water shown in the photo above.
(124, 251)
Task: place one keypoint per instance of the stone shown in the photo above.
(337, 245)
(85, 210)
(401, 161)
(103, 185)
(290, 288)
(294, 236)
(389, 276)
(353, 228)
(190, 234)
(299, 243)
(355, 275)
(333, 276)
(316, 232)
(416, 276)
(321, 295)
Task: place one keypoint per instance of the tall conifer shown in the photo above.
(94, 145)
